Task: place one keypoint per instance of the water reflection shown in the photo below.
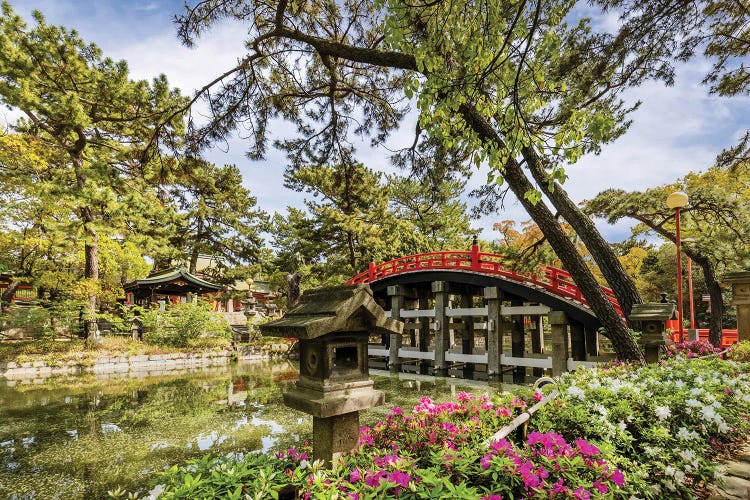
(79, 437)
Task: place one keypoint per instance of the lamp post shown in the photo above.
(678, 200)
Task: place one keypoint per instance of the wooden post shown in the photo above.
(592, 341)
(442, 333)
(537, 341)
(494, 343)
(424, 335)
(412, 304)
(517, 340)
(467, 336)
(577, 341)
(396, 293)
(559, 324)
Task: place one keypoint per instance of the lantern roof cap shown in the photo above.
(346, 308)
(654, 311)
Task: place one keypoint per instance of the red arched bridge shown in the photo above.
(555, 283)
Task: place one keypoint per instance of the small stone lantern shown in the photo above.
(741, 300)
(652, 318)
(333, 326)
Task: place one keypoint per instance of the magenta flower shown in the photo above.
(559, 487)
(601, 487)
(586, 448)
(400, 478)
(538, 396)
(618, 478)
(465, 396)
(355, 476)
(485, 461)
(582, 493)
(492, 497)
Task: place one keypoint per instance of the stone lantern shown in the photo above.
(333, 326)
(652, 318)
(741, 300)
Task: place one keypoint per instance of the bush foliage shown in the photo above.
(183, 323)
(619, 432)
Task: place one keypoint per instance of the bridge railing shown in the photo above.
(552, 279)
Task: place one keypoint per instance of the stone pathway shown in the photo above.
(737, 484)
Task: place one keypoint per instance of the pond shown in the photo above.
(80, 437)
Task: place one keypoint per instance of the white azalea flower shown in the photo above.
(663, 412)
(679, 477)
(576, 392)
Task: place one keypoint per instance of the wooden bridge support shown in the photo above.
(494, 343)
(518, 345)
(537, 341)
(423, 340)
(396, 294)
(442, 331)
(467, 334)
(592, 341)
(559, 325)
(577, 341)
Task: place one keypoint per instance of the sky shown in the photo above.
(676, 130)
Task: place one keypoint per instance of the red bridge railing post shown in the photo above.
(371, 270)
(475, 264)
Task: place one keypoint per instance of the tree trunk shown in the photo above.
(91, 272)
(714, 292)
(616, 331)
(194, 254)
(610, 266)
(350, 245)
(9, 292)
(91, 247)
(292, 296)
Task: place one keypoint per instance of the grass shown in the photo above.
(55, 352)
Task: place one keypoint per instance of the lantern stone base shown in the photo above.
(651, 344)
(335, 436)
(741, 300)
(324, 404)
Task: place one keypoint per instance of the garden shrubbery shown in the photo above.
(182, 324)
(617, 432)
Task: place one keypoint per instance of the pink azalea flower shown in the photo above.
(601, 487)
(618, 478)
(586, 448)
(492, 497)
(400, 478)
(582, 493)
(355, 476)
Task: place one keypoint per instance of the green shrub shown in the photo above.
(651, 432)
(182, 323)
(740, 352)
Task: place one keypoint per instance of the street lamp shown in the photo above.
(678, 200)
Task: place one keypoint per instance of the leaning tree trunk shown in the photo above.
(610, 266)
(622, 340)
(714, 292)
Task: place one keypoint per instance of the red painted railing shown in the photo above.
(554, 280)
(728, 337)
